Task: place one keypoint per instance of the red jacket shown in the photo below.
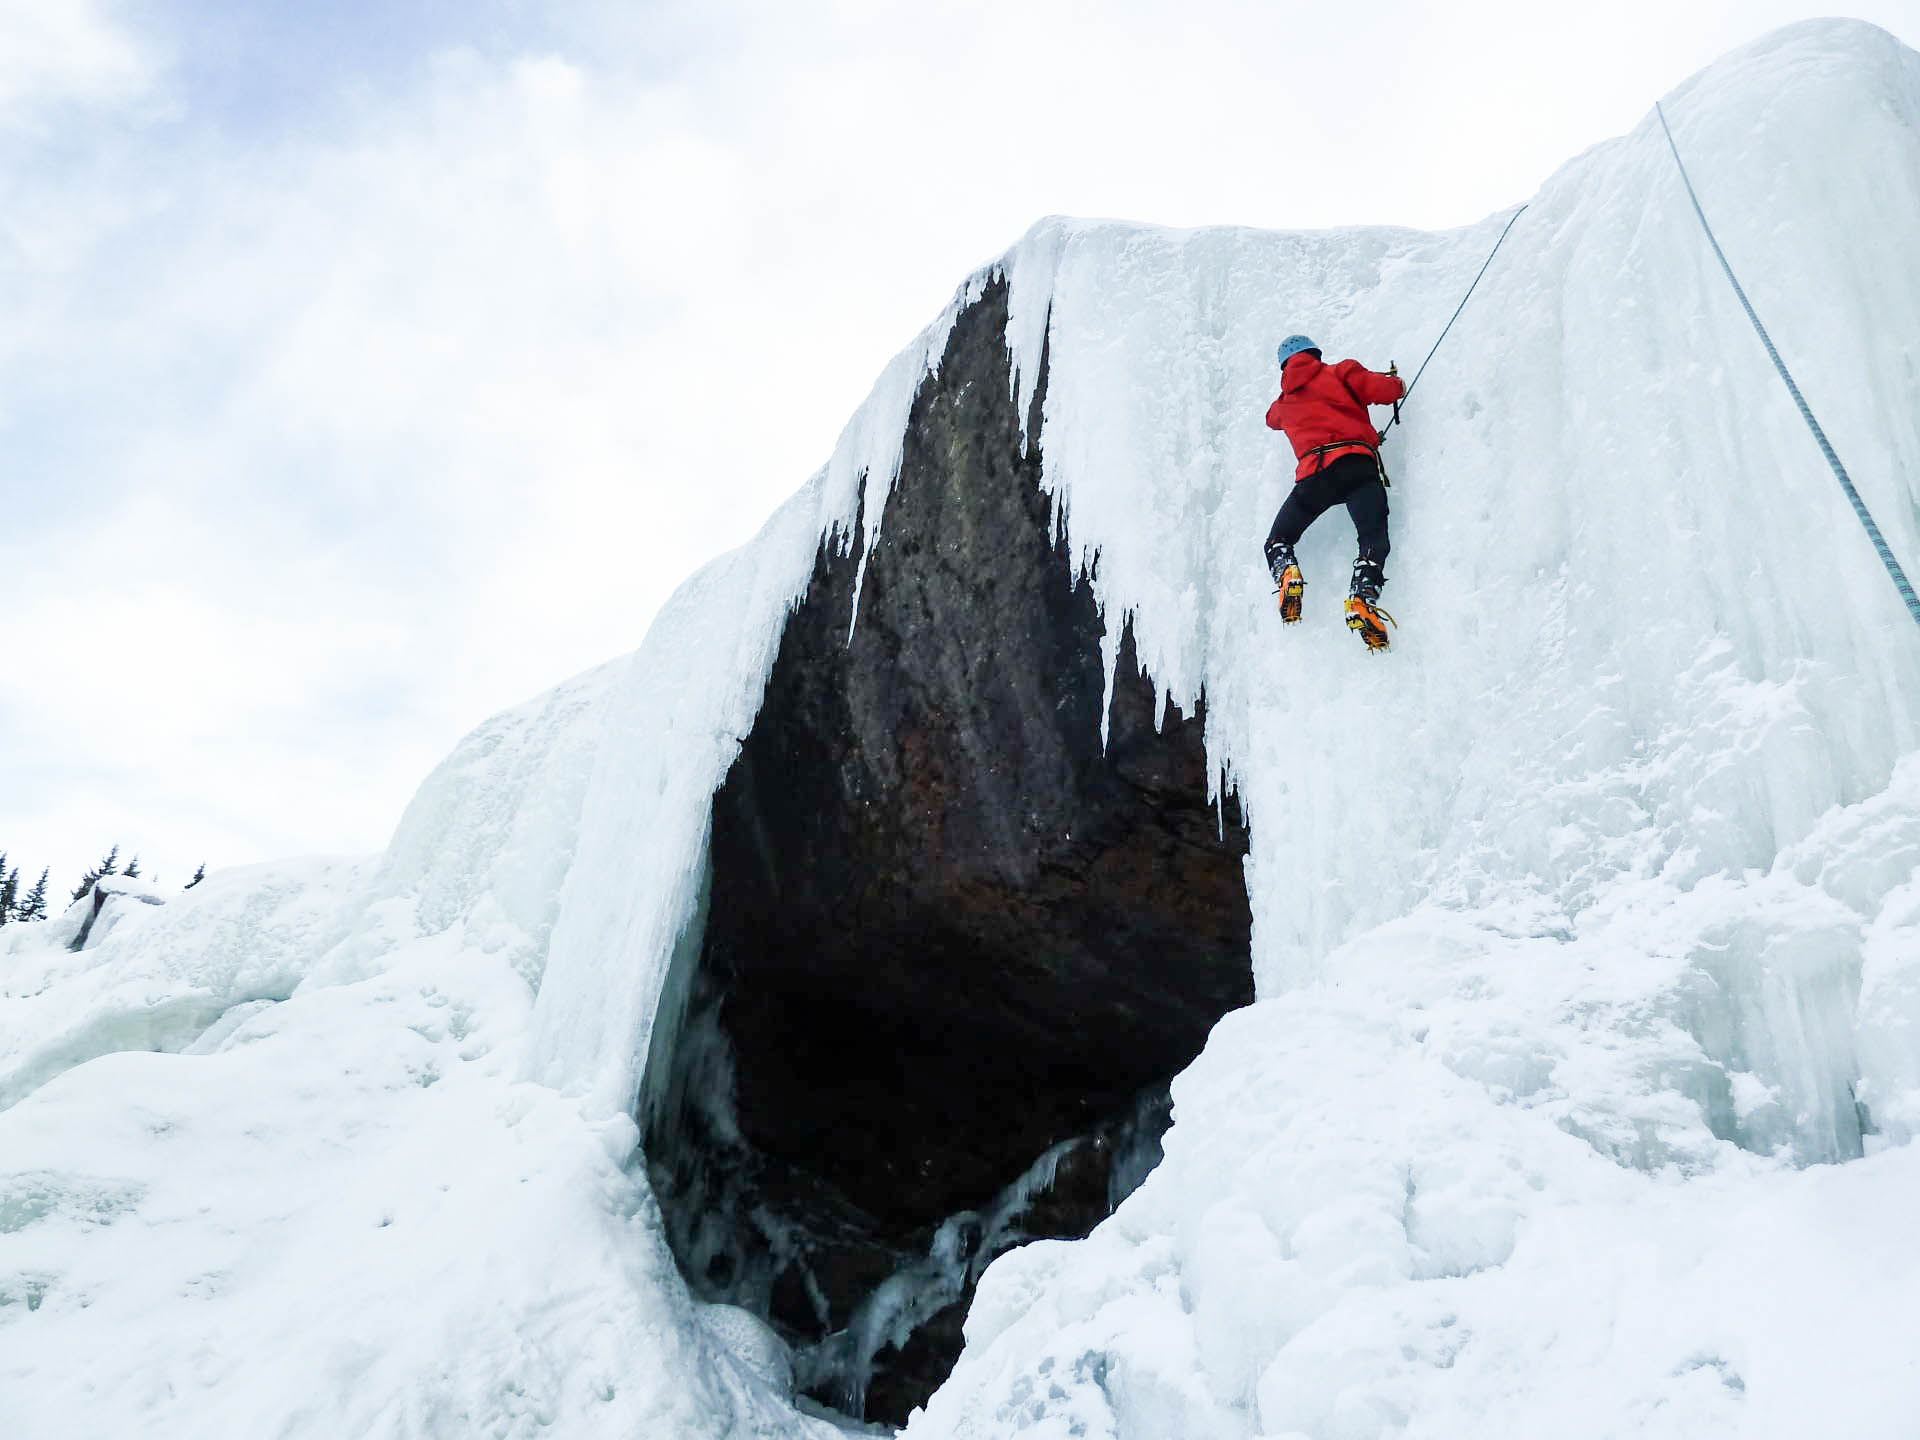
(1322, 404)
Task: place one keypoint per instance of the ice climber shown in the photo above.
(1323, 410)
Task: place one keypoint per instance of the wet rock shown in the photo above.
(949, 928)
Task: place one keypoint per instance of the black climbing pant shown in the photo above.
(1353, 481)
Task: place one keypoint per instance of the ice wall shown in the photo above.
(1643, 642)
(1586, 923)
(1622, 570)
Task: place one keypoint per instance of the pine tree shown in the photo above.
(133, 868)
(34, 907)
(6, 910)
(99, 872)
(10, 895)
(198, 875)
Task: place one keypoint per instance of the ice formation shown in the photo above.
(1579, 1094)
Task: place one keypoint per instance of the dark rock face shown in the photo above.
(948, 929)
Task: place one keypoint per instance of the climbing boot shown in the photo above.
(1364, 615)
(1289, 584)
(1293, 586)
(1367, 579)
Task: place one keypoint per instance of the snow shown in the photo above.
(268, 1163)
(1579, 1094)
(1356, 1240)
(159, 976)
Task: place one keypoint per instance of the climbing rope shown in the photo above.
(1456, 315)
(1894, 571)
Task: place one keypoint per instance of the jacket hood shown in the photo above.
(1298, 370)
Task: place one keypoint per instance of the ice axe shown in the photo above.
(1381, 438)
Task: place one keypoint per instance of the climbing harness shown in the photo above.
(1894, 571)
(1456, 315)
(1352, 445)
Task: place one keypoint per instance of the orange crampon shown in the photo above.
(1293, 586)
(1365, 619)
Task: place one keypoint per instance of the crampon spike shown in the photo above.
(1366, 619)
(1293, 587)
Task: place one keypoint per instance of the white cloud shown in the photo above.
(56, 52)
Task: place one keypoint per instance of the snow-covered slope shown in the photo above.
(1587, 925)
(270, 1166)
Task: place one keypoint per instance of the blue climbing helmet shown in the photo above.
(1293, 345)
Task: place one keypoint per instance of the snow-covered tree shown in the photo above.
(34, 907)
(108, 866)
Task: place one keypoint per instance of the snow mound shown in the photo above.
(1585, 924)
(268, 1165)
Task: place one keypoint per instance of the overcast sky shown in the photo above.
(367, 367)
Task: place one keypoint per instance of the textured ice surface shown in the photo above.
(1587, 925)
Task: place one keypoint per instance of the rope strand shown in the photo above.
(1894, 572)
(1455, 316)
